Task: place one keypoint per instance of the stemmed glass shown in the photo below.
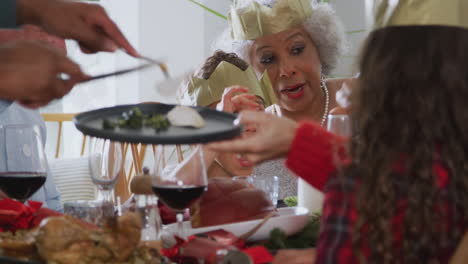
(339, 125)
(105, 163)
(23, 166)
(180, 186)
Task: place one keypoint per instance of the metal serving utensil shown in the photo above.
(150, 63)
(119, 72)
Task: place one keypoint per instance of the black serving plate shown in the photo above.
(218, 126)
(8, 260)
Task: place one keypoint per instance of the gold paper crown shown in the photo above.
(422, 12)
(203, 92)
(257, 20)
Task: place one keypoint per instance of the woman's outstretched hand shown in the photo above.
(29, 73)
(273, 137)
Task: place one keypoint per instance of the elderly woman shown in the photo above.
(297, 43)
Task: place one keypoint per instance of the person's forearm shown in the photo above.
(34, 33)
(7, 88)
(28, 11)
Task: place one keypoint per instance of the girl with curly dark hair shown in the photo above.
(405, 193)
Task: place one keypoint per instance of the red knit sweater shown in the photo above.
(311, 157)
(311, 154)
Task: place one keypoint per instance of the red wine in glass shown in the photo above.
(179, 186)
(179, 197)
(22, 143)
(21, 185)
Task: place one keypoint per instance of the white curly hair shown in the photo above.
(324, 28)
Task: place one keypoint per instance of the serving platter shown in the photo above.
(290, 219)
(218, 126)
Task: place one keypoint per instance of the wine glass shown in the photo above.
(105, 163)
(178, 187)
(339, 125)
(23, 166)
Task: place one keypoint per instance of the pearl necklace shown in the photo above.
(324, 87)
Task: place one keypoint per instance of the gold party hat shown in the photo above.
(422, 12)
(203, 92)
(257, 20)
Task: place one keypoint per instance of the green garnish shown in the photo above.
(135, 119)
(158, 122)
(107, 124)
(306, 238)
(290, 201)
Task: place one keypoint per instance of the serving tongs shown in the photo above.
(149, 63)
(252, 231)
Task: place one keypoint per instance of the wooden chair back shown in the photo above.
(60, 118)
(122, 188)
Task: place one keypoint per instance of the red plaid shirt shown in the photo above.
(310, 157)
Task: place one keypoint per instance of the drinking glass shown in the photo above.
(105, 163)
(94, 212)
(339, 125)
(23, 164)
(178, 187)
(269, 185)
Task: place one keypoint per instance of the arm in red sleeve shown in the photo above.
(311, 156)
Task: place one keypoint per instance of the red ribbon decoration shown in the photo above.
(15, 215)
